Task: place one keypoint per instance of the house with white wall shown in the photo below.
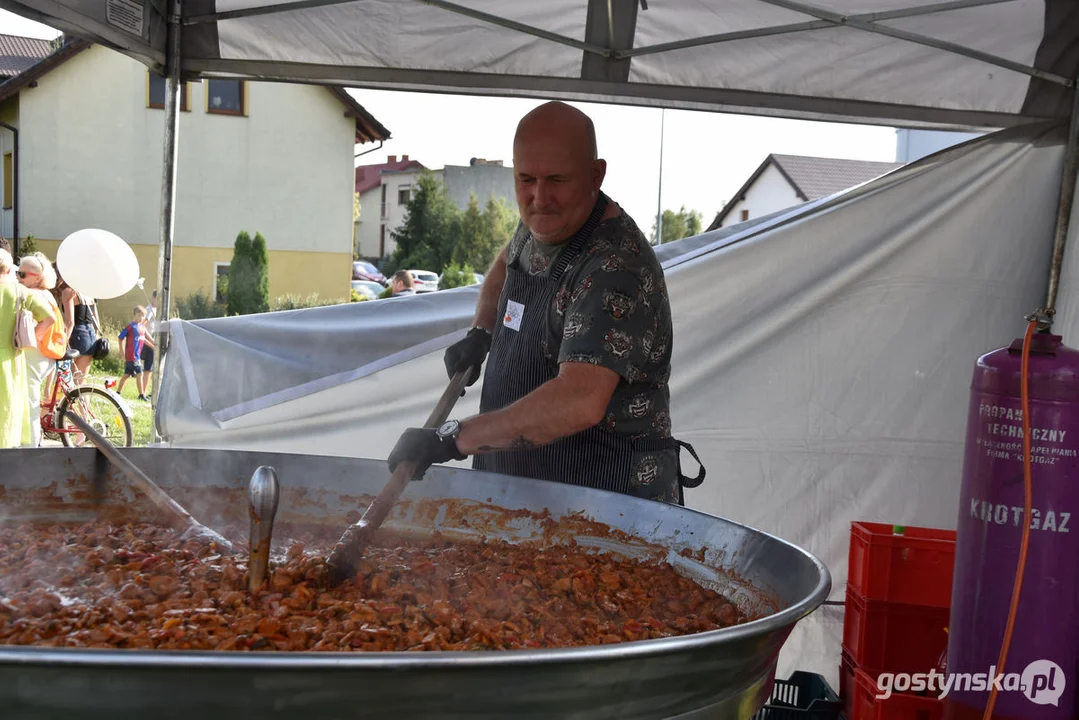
(83, 148)
(386, 188)
(914, 143)
(783, 181)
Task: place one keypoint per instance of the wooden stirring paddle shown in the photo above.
(346, 555)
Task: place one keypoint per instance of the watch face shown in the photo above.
(448, 428)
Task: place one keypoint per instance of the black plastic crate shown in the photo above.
(803, 696)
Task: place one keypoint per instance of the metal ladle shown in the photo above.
(263, 492)
(176, 516)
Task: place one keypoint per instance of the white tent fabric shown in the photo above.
(822, 357)
(960, 63)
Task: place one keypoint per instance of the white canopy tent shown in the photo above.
(822, 356)
(951, 63)
(968, 63)
(831, 382)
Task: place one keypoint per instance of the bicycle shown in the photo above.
(100, 407)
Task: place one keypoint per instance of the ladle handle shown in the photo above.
(349, 549)
(178, 518)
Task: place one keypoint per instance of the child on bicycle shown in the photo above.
(132, 339)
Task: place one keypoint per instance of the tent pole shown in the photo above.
(168, 200)
(659, 190)
(1064, 207)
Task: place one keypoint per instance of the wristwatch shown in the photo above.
(449, 430)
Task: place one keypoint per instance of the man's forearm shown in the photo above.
(554, 410)
(487, 306)
(575, 400)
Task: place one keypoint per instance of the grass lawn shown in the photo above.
(142, 419)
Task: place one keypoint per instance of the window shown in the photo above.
(155, 92)
(382, 240)
(384, 214)
(226, 97)
(745, 215)
(9, 180)
(221, 280)
(404, 194)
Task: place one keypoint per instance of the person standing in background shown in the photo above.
(132, 338)
(80, 314)
(150, 327)
(15, 419)
(38, 277)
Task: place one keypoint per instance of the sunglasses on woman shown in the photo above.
(23, 273)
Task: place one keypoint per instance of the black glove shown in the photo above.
(468, 353)
(425, 448)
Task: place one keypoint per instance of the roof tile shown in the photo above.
(819, 177)
(18, 53)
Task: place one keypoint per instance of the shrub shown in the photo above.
(113, 363)
(356, 296)
(456, 276)
(249, 276)
(199, 305)
(296, 302)
(27, 246)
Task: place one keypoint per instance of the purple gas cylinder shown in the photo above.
(1039, 680)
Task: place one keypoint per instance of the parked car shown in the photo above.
(362, 270)
(479, 278)
(424, 281)
(369, 288)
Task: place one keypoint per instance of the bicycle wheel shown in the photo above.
(98, 408)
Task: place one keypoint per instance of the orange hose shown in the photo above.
(1028, 486)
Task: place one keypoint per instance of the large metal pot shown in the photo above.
(721, 674)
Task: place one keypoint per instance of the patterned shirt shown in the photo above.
(611, 309)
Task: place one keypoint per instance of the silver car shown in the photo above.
(368, 288)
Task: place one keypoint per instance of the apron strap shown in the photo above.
(660, 444)
(682, 479)
(571, 251)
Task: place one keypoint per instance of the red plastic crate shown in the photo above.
(914, 568)
(847, 685)
(891, 637)
(899, 706)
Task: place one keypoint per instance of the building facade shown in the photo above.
(263, 157)
(386, 188)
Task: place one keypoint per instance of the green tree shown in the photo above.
(427, 237)
(678, 225)
(471, 232)
(248, 289)
(500, 221)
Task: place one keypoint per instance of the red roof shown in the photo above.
(369, 176)
(18, 53)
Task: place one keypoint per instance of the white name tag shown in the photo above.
(515, 312)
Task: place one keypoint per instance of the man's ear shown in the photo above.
(599, 171)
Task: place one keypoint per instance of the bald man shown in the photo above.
(575, 316)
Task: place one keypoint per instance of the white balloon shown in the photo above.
(97, 263)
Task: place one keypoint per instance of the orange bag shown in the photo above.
(53, 342)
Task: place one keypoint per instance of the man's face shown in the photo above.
(397, 286)
(557, 186)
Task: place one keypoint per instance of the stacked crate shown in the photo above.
(899, 592)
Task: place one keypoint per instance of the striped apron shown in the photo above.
(595, 457)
